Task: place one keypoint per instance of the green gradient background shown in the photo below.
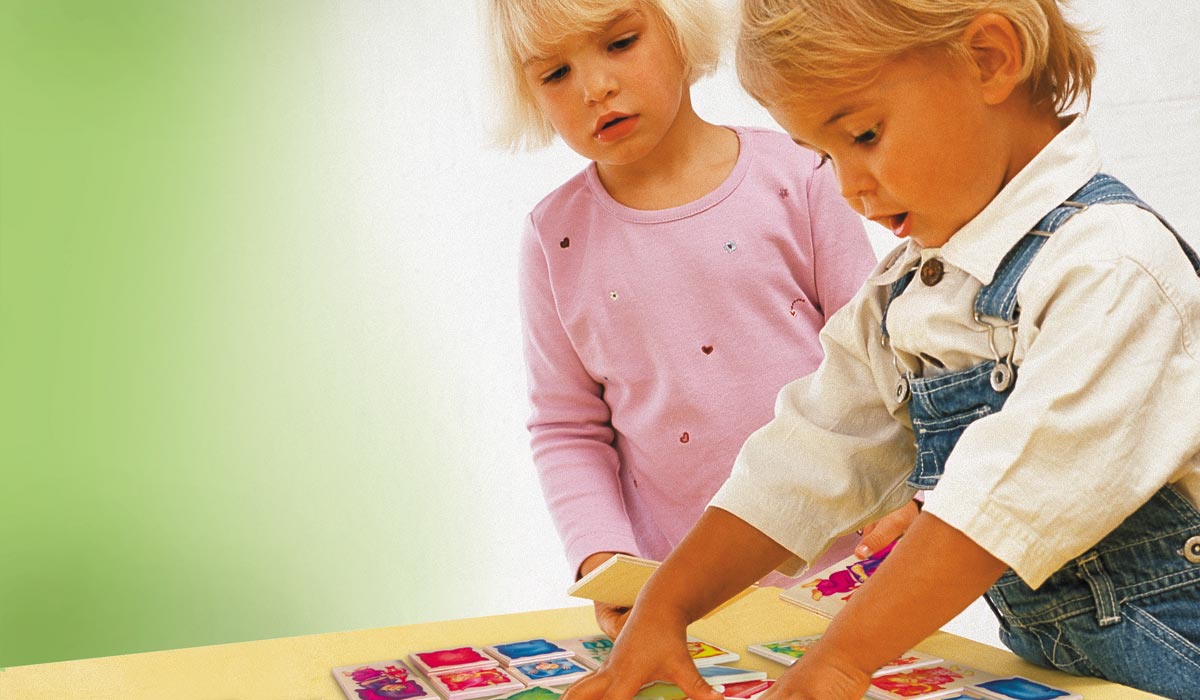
(205, 438)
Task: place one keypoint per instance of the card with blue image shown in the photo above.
(527, 651)
(1020, 688)
(549, 672)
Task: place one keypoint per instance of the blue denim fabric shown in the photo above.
(1127, 610)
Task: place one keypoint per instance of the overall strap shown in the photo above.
(999, 299)
(894, 291)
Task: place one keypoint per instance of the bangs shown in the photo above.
(537, 27)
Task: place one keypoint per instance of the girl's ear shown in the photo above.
(994, 47)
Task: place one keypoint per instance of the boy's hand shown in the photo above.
(649, 651)
(816, 678)
(884, 531)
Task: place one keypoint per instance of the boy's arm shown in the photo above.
(720, 556)
(931, 576)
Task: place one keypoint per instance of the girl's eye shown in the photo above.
(623, 43)
(555, 75)
(869, 136)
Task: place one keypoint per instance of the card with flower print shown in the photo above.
(927, 683)
(382, 680)
(474, 683)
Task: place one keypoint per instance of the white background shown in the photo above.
(411, 82)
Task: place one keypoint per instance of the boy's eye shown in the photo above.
(623, 43)
(869, 136)
(555, 75)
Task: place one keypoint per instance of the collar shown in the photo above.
(1055, 173)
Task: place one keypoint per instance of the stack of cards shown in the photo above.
(463, 673)
(538, 662)
(827, 591)
(788, 651)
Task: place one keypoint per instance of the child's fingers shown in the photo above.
(693, 684)
(604, 684)
(883, 532)
(611, 618)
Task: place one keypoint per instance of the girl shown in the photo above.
(671, 288)
(1029, 355)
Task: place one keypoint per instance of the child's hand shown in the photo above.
(884, 531)
(648, 650)
(817, 678)
(611, 618)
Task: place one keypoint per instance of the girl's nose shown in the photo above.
(599, 87)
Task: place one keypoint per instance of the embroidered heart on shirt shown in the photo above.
(565, 242)
(706, 349)
(684, 438)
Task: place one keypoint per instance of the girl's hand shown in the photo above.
(611, 618)
(884, 531)
(648, 650)
(816, 678)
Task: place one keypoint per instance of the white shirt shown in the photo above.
(1105, 410)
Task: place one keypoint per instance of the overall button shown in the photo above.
(932, 271)
(1191, 550)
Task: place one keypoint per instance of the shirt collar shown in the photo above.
(1055, 173)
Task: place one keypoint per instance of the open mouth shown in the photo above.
(612, 122)
(899, 224)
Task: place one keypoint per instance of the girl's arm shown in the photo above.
(932, 575)
(719, 557)
(570, 426)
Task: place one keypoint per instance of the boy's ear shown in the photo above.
(994, 47)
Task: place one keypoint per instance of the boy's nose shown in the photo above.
(854, 182)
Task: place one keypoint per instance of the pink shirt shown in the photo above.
(656, 341)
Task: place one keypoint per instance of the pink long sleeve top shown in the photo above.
(657, 341)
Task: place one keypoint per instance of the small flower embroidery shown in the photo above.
(783, 193)
(613, 295)
(730, 246)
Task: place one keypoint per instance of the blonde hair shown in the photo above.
(788, 48)
(525, 29)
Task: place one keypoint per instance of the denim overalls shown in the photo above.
(1128, 610)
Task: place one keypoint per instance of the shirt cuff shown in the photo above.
(590, 543)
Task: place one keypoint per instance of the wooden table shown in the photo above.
(298, 668)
